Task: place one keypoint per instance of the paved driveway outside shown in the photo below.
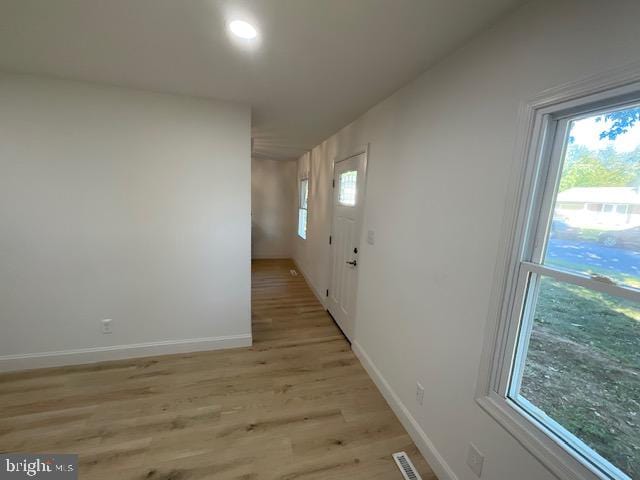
(625, 261)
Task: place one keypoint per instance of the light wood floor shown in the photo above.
(295, 406)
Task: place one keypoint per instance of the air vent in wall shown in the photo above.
(409, 472)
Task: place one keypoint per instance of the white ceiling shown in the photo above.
(317, 66)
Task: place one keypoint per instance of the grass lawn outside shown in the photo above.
(583, 369)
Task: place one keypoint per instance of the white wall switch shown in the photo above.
(371, 237)
(475, 460)
(419, 393)
(107, 325)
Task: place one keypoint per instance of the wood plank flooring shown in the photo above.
(295, 406)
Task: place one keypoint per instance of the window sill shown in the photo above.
(541, 443)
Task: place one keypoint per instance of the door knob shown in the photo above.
(354, 263)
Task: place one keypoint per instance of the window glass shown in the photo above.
(577, 362)
(596, 219)
(582, 369)
(302, 223)
(304, 193)
(302, 207)
(347, 188)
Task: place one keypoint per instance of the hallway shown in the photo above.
(315, 371)
(296, 405)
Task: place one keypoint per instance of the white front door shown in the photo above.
(348, 199)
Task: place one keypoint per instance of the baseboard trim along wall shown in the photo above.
(440, 467)
(321, 298)
(120, 352)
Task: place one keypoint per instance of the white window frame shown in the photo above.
(301, 207)
(543, 123)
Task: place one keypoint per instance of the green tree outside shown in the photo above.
(590, 171)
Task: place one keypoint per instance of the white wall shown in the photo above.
(120, 204)
(273, 207)
(441, 150)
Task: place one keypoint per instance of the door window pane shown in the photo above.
(596, 218)
(582, 370)
(347, 188)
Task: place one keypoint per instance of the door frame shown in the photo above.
(339, 157)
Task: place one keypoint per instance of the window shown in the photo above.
(571, 206)
(622, 209)
(566, 368)
(302, 207)
(347, 188)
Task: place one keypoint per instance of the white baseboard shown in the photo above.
(321, 298)
(439, 466)
(265, 256)
(120, 352)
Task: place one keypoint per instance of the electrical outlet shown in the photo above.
(419, 393)
(475, 460)
(107, 326)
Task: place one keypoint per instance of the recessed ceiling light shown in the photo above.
(243, 29)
